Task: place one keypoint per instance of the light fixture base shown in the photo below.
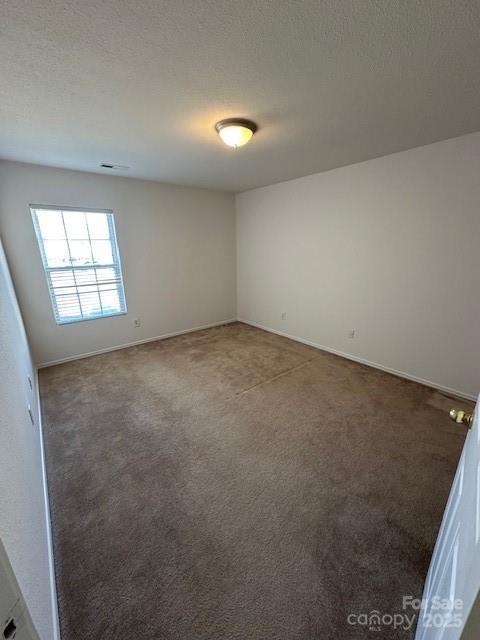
(240, 122)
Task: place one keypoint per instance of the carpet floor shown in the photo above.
(231, 484)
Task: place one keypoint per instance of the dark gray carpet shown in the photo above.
(232, 484)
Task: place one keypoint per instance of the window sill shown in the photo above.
(104, 317)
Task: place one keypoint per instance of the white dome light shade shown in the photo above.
(235, 135)
(235, 132)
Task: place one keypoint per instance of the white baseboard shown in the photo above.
(395, 372)
(133, 344)
(51, 561)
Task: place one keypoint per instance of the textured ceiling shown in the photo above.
(142, 83)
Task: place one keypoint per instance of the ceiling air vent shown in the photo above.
(114, 167)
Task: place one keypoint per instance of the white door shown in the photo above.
(453, 580)
(15, 621)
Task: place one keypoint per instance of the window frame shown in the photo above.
(116, 264)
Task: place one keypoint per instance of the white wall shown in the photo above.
(388, 247)
(177, 247)
(23, 512)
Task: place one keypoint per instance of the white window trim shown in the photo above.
(47, 270)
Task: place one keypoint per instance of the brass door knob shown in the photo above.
(460, 416)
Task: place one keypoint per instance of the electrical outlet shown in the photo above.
(136, 323)
(351, 333)
(284, 315)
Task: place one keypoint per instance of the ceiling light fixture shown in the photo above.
(235, 132)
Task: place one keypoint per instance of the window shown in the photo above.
(80, 257)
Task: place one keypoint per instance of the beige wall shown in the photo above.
(388, 247)
(23, 512)
(177, 247)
